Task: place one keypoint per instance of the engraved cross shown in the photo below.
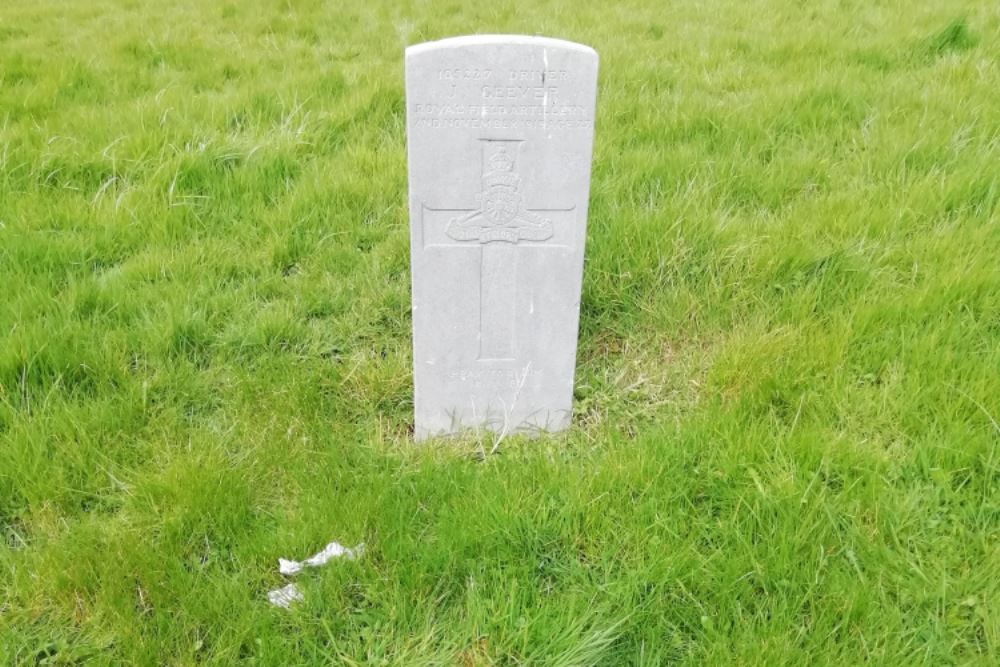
(497, 227)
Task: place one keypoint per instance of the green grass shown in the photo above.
(786, 448)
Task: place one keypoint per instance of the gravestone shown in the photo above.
(499, 139)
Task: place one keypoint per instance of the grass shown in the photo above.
(786, 448)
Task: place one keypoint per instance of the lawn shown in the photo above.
(786, 446)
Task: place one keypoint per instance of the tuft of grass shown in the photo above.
(786, 446)
(956, 37)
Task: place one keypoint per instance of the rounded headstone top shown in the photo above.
(485, 40)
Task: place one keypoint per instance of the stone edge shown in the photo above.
(480, 40)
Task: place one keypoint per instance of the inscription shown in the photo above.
(496, 109)
(503, 123)
(541, 75)
(458, 73)
(514, 99)
(481, 74)
(508, 378)
(520, 92)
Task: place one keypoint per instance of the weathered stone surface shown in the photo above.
(499, 135)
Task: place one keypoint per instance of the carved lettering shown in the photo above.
(520, 92)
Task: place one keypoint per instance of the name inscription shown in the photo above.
(510, 99)
(476, 74)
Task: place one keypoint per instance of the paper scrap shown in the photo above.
(284, 597)
(329, 552)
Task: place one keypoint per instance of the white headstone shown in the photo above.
(499, 134)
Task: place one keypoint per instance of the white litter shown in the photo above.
(329, 552)
(284, 597)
